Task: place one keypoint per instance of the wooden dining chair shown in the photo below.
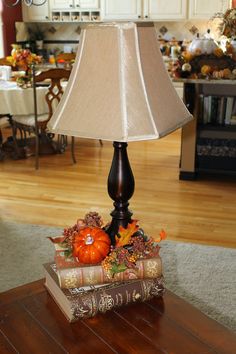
(36, 124)
(4, 123)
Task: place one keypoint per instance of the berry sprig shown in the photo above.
(92, 219)
(118, 261)
(125, 257)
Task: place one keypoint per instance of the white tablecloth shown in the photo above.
(17, 101)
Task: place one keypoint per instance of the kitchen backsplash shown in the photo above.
(60, 35)
(186, 30)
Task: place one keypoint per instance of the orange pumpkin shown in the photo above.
(91, 245)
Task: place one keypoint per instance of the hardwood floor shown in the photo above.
(202, 211)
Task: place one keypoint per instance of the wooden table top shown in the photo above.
(31, 323)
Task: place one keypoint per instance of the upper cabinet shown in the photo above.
(115, 10)
(165, 10)
(122, 9)
(36, 13)
(61, 4)
(75, 10)
(68, 4)
(202, 9)
(144, 10)
(89, 4)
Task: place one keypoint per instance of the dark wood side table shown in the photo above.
(32, 323)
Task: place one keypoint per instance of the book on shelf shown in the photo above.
(219, 110)
(200, 108)
(81, 303)
(206, 109)
(229, 110)
(214, 110)
(233, 117)
(72, 274)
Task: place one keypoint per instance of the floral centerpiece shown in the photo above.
(203, 61)
(217, 65)
(23, 59)
(88, 243)
(228, 24)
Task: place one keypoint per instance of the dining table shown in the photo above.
(18, 101)
(15, 100)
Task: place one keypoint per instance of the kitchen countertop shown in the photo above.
(204, 81)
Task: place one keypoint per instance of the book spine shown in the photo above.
(214, 109)
(221, 110)
(94, 275)
(206, 109)
(200, 108)
(89, 304)
(233, 116)
(229, 108)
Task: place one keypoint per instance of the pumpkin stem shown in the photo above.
(89, 240)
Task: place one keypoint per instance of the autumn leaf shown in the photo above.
(59, 242)
(124, 234)
(162, 236)
(59, 239)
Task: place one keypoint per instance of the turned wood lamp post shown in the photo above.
(119, 90)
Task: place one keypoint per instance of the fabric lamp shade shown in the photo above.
(119, 89)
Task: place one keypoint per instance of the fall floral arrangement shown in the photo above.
(23, 59)
(88, 242)
(228, 25)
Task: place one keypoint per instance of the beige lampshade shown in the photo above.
(119, 89)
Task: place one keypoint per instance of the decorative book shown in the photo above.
(81, 303)
(72, 274)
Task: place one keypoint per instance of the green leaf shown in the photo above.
(63, 244)
(118, 268)
(68, 253)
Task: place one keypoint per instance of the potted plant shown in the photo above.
(37, 35)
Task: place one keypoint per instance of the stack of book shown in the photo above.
(81, 291)
(219, 110)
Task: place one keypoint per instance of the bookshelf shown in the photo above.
(208, 143)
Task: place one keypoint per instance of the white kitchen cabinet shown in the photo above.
(36, 13)
(202, 9)
(122, 9)
(144, 10)
(88, 4)
(165, 10)
(75, 10)
(109, 10)
(61, 4)
(68, 4)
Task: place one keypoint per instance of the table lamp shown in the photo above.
(120, 91)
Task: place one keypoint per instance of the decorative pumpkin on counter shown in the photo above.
(186, 67)
(187, 56)
(91, 245)
(218, 52)
(206, 69)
